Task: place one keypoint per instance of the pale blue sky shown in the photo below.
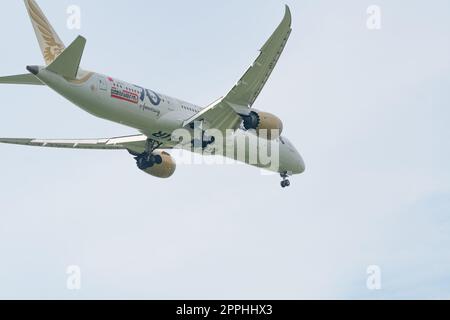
(368, 110)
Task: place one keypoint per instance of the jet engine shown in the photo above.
(259, 121)
(165, 169)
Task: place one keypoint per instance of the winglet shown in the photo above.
(68, 62)
(288, 15)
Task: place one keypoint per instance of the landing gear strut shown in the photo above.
(148, 159)
(285, 183)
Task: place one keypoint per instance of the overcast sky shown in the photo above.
(368, 110)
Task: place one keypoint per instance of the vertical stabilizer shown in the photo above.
(51, 45)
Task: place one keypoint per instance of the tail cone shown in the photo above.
(33, 69)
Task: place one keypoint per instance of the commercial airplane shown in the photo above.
(158, 117)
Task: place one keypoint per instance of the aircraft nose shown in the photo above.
(291, 160)
(301, 164)
(297, 164)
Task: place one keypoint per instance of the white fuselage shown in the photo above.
(153, 114)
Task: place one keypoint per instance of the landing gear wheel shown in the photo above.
(141, 163)
(148, 159)
(144, 162)
(158, 159)
(285, 183)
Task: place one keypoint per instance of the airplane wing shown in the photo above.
(134, 144)
(251, 84)
(219, 115)
(225, 113)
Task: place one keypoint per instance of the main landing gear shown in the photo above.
(148, 159)
(285, 183)
(204, 143)
(205, 140)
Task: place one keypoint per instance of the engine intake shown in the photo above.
(264, 122)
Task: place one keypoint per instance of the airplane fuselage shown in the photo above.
(153, 114)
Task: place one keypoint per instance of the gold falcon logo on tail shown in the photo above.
(51, 45)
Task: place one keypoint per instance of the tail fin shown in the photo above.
(51, 45)
(68, 62)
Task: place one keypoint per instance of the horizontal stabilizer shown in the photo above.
(21, 79)
(68, 62)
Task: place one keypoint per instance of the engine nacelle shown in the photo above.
(258, 121)
(164, 170)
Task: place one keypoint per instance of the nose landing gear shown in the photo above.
(285, 183)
